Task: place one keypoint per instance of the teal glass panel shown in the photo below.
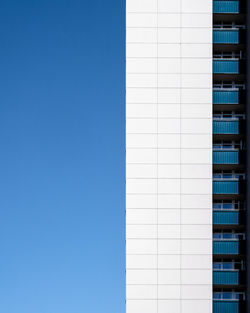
(225, 6)
(225, 157)
(225, 306)
(226, 36)
(225, 218)
(226, 187)
(226, 127)
(225, 247)
(225, 277)
(225, 97)
(225, 66)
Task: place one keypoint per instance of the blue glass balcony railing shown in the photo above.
(226, 127)
(225, 157)
(226, 36)
(225, 66)
(225, 97)
(223, 306)
(226, 247)
(225, 187)
(225, 277)
(225, 217)
(225, 6)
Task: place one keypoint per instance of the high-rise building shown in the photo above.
(186, 153)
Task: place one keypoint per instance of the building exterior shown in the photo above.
(186, 153)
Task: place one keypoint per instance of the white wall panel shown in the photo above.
(141, 231)
(169, 216)
(169, 20)
(196, 306)
(141, 261)
(169, 6)
(141, 35)
(196, 141)
(139, 66)
(141, 6)
(169, 81)
(196, 262)
(169, 261)
(142, 277)
(169, 231)
(196, 50)
(141, 170)
(194, 6)
(141, 110)
(196, 292)
(169, 277)
(141, 216)
(169, 171)
(196, 110)
(141, 201)
(141, 19)
(196, 81)
(167, 201)
(196, 231)
(196, 171)
(169, 126)
(196, 201)
(141, 80)
(173, 291)
(141, 141)
(169, 50)
(169, 141)
(141, 95)
(196, 20)
(138, 156)
(169, 306)
(145, 306)
(169, 156)
(141, 292)
(197, 35)
(196, 156)
(169, 65)
(137, 246)
(138, 126)
(141, 50)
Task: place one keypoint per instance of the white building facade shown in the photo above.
(169, 156)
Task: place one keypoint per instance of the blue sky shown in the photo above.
(62, 156)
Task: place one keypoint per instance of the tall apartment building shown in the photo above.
(186, 153)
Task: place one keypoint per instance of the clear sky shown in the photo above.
(62, 156)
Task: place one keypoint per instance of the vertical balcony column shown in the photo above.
(248, 158)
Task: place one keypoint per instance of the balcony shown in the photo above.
(226, 306)
(226, 6)
(226, 217)
(225, 66)
(223, 36)
(230, 96)
(226, 127)
(225, 157)
(227, 247)
(226, 277)
(226, 187)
